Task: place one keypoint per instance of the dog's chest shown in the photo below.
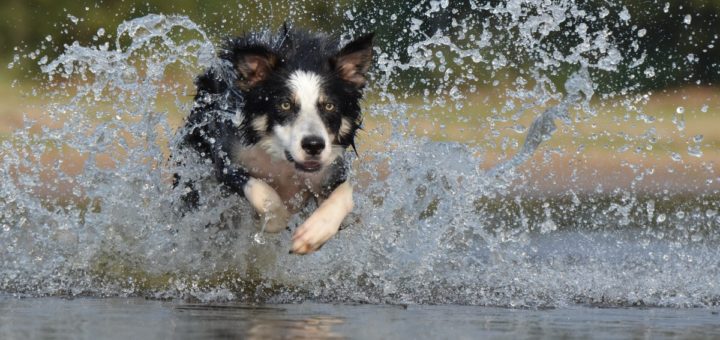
(293, 187)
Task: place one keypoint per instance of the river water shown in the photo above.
(86, 318)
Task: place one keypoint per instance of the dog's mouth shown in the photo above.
(306, 166)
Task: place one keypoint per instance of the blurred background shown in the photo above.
(26, 25)
(672, 41)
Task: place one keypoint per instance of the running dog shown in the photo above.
(274, 120)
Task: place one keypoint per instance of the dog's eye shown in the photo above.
(329, 106)
(285, 106)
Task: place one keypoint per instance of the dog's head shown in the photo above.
(301, 94)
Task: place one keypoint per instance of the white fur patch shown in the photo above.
(344, 127)
(260, 123)
(306, 87)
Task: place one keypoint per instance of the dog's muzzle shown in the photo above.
(306, 166)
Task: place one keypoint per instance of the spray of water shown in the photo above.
(87, 208)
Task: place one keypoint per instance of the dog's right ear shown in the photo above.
(253, 65)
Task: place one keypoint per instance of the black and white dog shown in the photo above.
(275, 122)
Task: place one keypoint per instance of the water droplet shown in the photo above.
(499, 62)
(650, 72)
(604, 12)
(624, 14)
(679, 118)
(259, 238)
(415, 24)
(641, 33)
(694, 151)
(688, 19)
(661, 218)
(548, 226)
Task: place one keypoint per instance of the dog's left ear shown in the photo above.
(354, 60)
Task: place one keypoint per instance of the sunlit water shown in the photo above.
(87, 208)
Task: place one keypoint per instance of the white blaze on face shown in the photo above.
(306, 89)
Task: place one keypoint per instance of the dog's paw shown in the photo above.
(324, 222)
(312, 234)
(267, 203)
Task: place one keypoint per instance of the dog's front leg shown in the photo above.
(324, 222)
(268, 205)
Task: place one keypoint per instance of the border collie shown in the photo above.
(275, 120)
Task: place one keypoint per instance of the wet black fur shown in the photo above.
(210, 129)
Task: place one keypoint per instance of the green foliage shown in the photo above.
(679, 53)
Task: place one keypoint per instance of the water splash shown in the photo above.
(87, 206)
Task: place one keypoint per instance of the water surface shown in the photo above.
(117, 318)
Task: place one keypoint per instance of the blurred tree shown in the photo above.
(679, 50)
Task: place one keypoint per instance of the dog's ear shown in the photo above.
(253, 65)
(354, 60)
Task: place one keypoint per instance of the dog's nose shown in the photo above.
(313, 145)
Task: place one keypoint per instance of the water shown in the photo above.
(108, 319)
(87, 208)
